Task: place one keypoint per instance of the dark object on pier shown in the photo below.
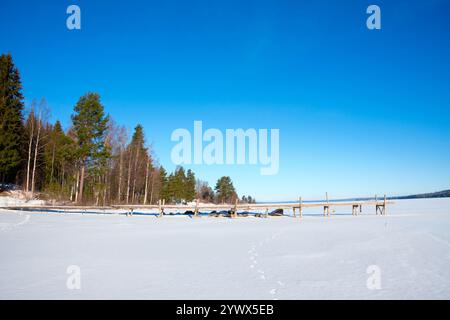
(223, 213)
(277, 212)
(227, 214)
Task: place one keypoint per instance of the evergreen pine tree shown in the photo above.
(138, 160)
(225, 189)
(170, 192)
(176, 185)
(164, 189)
(11, 120)
(137, 139)
(89, 126)
(179, 184)
(190, 192)
(59, 160)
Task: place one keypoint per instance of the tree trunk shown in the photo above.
(77, 183)
(129, 177)
(71, 193)
(105, 189)
(151, 191)
(62, 177)
(135, 174)
(146, 181)
(80, 194)
(30, 143)
(35, 155)
(53, 163)
(119, 196)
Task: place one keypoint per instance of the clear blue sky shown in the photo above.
(360, 112)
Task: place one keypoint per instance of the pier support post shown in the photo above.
(377, 209)
(328, 205)
(376, 205)
(356, 208)
(196, 208)
(381, 207)
(301, 207)
(161, 207)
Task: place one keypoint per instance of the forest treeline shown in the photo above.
(92, 162)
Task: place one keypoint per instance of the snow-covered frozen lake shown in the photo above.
(143, 257)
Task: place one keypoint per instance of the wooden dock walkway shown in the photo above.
(234, 210)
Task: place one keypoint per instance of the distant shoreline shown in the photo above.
(431, 195)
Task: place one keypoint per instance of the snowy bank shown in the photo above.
(17, 198)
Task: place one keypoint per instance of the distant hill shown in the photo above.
(439, 194)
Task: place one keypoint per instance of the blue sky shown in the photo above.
(359, 111)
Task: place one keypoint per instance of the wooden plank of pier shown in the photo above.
(380, 207)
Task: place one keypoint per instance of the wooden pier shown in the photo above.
(233, 210)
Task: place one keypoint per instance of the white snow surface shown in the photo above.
(144, 257)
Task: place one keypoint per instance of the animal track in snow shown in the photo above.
(253, 254)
